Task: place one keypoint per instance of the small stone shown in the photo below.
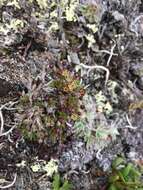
(118, 16)
(73, 57)
(137, 69)
(136, 25)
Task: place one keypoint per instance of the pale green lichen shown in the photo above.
(103, 105)
(42, 166)
(91, 40)
(93, 27)
(22, 164)
(93, 126)
(35, 167)
(111, 87)
(14, 3)
(70, 10)
(51, 167)
(13, 25)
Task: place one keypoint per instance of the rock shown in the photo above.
(76, 157)
(140, 83)
(74, 58)
(118, 16)
(137, 69)
(136, 25)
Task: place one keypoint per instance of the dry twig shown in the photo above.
(7, 106)
(111, 54)
(97, 67)
(130, 126)
(11, 184)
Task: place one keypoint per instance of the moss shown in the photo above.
(91, 12)
(32, 136)
(46, 117)
(24, 99)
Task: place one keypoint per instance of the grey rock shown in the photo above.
(136, 25)
(140, 83)
(137, 69)
(74, 58)
(76, 157)
(118, 16)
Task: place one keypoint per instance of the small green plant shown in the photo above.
(47, 108)
(91, 12)
(93, 126)
(125, 176)
(59, 184)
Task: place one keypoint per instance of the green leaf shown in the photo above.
(125, 171)
(118, 161)
(114, 178)
(66, 186)
(56, 182)
(125, 176)
(134, 172)
(112, 187)
(79, 127)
